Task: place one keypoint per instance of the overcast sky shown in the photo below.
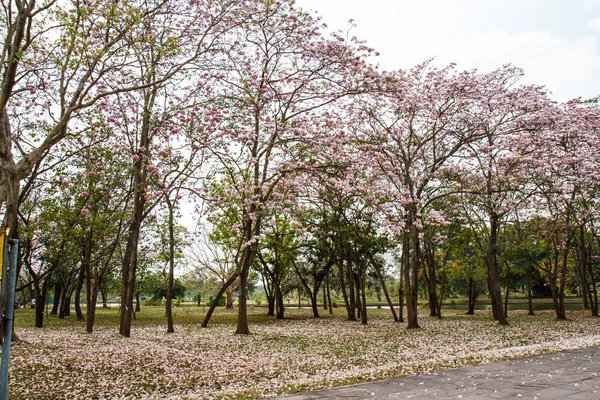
(556, 42)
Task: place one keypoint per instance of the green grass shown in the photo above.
(190, 314)
(184, 315)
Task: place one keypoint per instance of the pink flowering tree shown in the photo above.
(61, 58)
(153, 124)
(279, 74)
(76, 206)
(494, 169)
(412, 132)
(566, 178)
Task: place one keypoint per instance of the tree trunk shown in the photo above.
(411, 278)
(529, 294)
(506, 301)
(357, 302)
(104, 298)
(242, 322)
(585, 292)
(493, 270)
(138, 304)
(401, 294)
(91, 308)
(341, 272)
(472, 295)
(215, 302)
(140, 178)
(561, 314)
(280, 308)
(492, 298)
(593, 293)
(387, 295)
(269, 295)
(313, 302)
(169, 302)
(40, 304)
(271, 305)
(229, 298)
(80, 281)
(57, 297)
(443, 287)
(351, 290)
(249, 253)
(129, 273)
(431, 279)
(87, 271)
(65, 304)
(363, 314)
(328, 294)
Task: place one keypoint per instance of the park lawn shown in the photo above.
(298, 353)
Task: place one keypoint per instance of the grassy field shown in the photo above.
(298, 353)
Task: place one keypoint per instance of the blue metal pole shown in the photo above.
(10, 277)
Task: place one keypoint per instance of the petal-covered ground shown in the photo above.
(278, 357)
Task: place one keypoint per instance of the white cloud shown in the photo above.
(594, 25)
(568, 68)
(565, 57)
(591, 4)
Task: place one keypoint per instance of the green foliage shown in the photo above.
(153, 302)
(211, 300)
(198, 299)
(160, 291)
(155, 285)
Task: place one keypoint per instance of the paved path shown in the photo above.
(568, 375)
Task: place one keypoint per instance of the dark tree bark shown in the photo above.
(140, 178)
(585, 272)
(351, 288)
(411, 280)
(385, 291)
(80, 282)
(58, 287)
(169, 302)
(401, 293)
(561, 312)
(40, 304)
(363, 314)
(357, 302)
(328, 293)
(494, 270)
(242, 322)
(270, 294)
(431, 279)
(341, 271)
(279, 306)
(472, 295)
(529, 289)
(65, 304)
(215, 302)
(506, 300)
(104, 298)
(138, 304)
(313, 292)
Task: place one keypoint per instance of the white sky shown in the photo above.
(556, 42)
